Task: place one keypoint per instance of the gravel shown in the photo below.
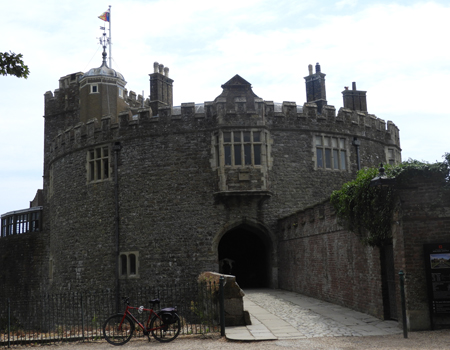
(429, 340)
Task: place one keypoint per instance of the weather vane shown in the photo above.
(104, 41)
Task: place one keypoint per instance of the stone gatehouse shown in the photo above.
(138, 191)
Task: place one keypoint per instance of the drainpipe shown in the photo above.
(357, 143)
(116, 150)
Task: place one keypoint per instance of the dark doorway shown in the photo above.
(388, 282)
(244, 254)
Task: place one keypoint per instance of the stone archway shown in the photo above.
(245, 252)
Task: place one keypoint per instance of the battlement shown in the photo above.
(191, 117)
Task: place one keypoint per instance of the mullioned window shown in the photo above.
(331, 152)
(98, 164)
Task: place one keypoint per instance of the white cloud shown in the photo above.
(395, 51)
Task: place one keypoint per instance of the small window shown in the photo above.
(98, 164)
(94, 88)
(129, 265)
(391, 156)
(330, 152)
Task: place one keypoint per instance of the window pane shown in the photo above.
(105, 168)
(391, 153)
(246, 136)
(334, 142)
(237, 136)
(328, 158)
(257, 154)
(91, 154)
(227, 150)
(217, 154)
(335, 158)
(98, 152)
(342, 143)
(391, 162)
(326, 141)
(92, 170)
(123, 265)
(105, 152)
(256, 136)
(98, 165)
(343, 157)
(319, 157)
(227, 137)
(247, 154)
(318, 140)
(132, 264)
(237, 155)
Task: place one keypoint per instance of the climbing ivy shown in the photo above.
(368, 211)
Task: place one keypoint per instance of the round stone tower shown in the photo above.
(144, 193)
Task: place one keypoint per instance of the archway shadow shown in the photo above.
(244, 254)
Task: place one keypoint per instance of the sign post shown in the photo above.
(437, 263)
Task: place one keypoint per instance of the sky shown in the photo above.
(397, 51)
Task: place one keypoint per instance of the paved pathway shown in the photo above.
(278, 314)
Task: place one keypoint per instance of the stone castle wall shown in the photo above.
(175, 203)
(324, 261)
(423, 217)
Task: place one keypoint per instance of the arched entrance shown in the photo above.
(244, 252)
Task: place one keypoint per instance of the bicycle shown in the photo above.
(164, 326)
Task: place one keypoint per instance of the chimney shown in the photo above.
(161, 86)
(315, 87)
(354, 99)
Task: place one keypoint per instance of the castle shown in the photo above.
(138, 191)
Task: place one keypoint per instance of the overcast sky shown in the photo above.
(397, 51)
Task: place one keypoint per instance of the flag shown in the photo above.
(104, 16)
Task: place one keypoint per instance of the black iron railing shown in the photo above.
(80, 315)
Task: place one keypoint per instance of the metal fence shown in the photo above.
(80, 316)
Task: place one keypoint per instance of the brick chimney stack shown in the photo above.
(315, 87)
(355, 99)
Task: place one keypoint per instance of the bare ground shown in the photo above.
(429, 340)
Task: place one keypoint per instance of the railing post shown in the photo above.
(222, 306)
(82, 316)
(403, 299)
(9, 322)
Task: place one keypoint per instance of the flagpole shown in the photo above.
(109, 10)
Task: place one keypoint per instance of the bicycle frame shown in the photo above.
(145, 328)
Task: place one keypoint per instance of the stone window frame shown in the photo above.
(94, 89)
(98, 164)
(121, 92)
(241, 148)
(129, 265)
(331, 152)
(393, 156)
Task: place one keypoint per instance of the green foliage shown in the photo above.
(368, 211)
(12, 64)
(365, 210)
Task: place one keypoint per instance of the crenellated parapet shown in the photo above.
(207, 116)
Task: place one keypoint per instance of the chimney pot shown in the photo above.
(317, 67)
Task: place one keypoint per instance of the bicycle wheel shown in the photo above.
(117, 332)
(165, 332)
